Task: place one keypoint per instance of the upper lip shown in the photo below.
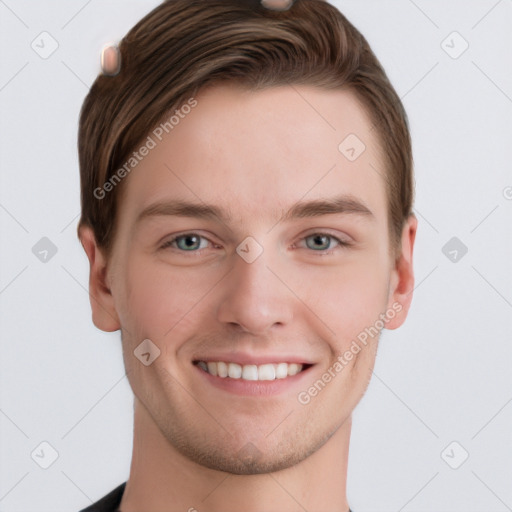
(243, 359)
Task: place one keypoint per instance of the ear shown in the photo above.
(104, 314)
(402, 277)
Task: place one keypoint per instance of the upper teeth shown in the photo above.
(251, 371)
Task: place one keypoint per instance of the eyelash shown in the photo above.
(342, 244)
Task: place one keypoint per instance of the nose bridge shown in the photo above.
(254, 298)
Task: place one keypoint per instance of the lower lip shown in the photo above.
(255, 387)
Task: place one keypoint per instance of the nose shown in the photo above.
(254, 298)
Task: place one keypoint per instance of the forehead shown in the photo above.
(255, 153)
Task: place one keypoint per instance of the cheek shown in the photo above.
(156, 298)
(350, 298)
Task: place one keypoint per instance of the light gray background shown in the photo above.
(443, 377)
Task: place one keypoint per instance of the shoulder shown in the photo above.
(108, 503)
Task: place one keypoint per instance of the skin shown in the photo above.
(256, 154)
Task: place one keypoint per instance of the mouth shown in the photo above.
(252, 372)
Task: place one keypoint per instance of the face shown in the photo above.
(254, 278)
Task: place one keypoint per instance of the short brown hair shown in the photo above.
(182, 45)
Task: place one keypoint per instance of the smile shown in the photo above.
(251, 372)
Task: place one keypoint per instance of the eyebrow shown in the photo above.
(344, 204)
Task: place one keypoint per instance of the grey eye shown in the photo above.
(191, 242)
(320, 241)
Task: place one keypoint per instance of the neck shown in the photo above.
(161, 478)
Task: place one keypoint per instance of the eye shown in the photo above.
(322, 241)
(187, 242)
(191, 242)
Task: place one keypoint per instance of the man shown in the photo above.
(247, 192)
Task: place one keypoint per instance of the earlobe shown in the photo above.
(104, 314)
(402, 279)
